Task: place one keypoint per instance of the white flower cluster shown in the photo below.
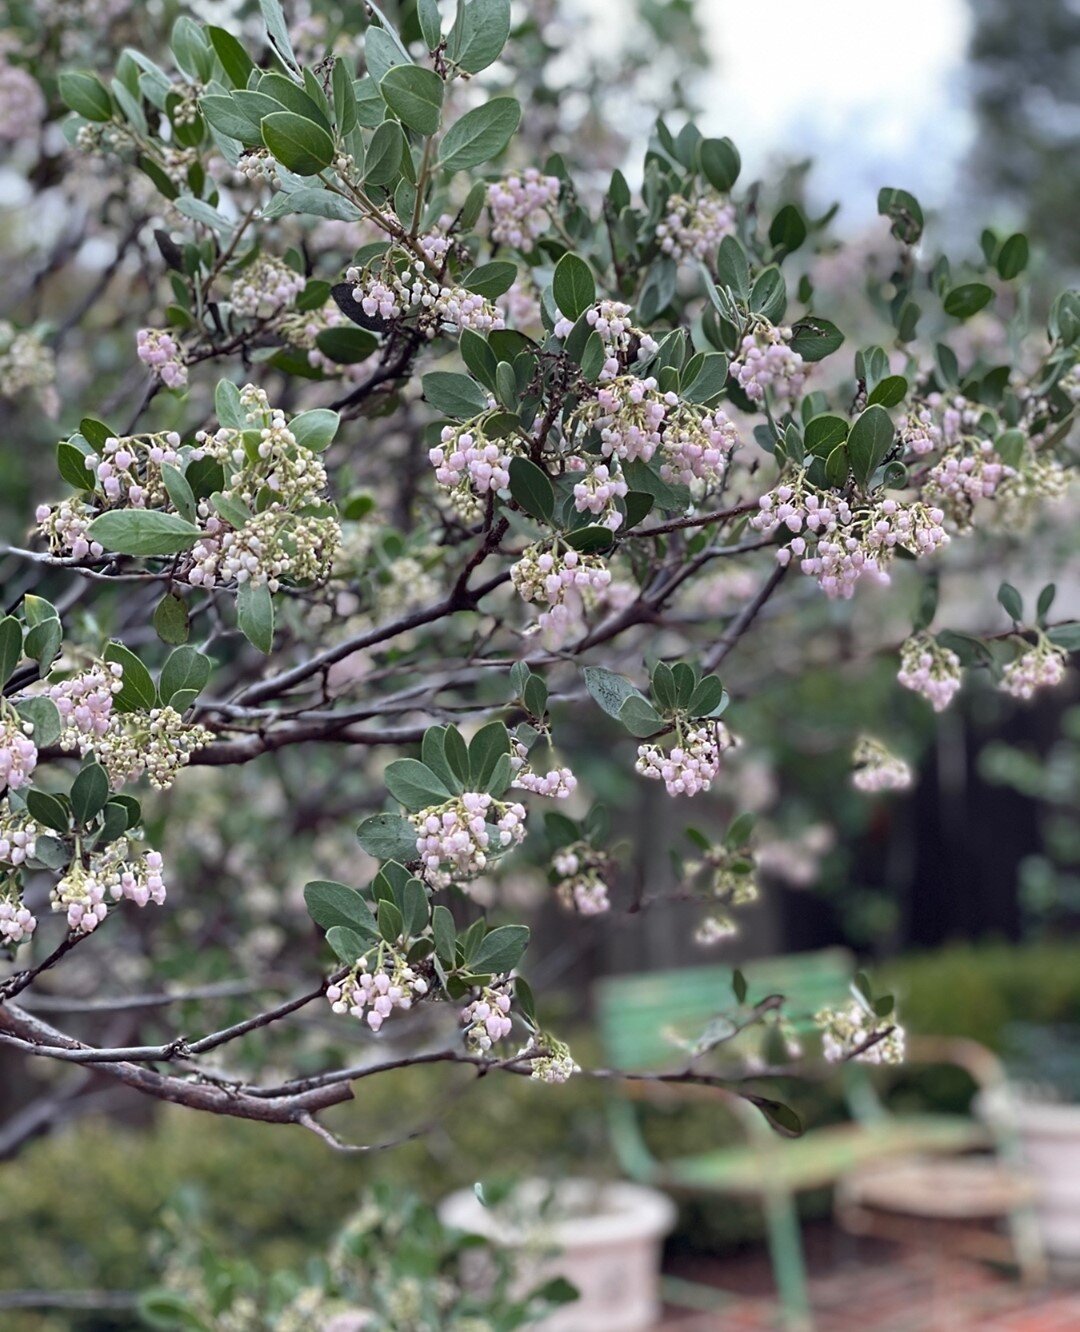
(876, 768)
(158, 743)
(18, 836)
(611, 319)
(690, 765)
(766, 363)
(266, 288)
(1020, 496)
(85, 704)
(693, 228)
(1039, 667)
(551, 1059)
(520, 207)
(469, 464)
(715, 928)
(487, 1019)
(839, 545)
(18, 753)
(960, 479)
(930, 669)
(373, 995)
(64, 527)
(919, 431)
(158, 349)
(581, 887)
(844, 1031)
(567, 584)
(453, 839)
(394, 292)
(27, 364)
(280, 541)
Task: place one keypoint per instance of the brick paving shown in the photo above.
(879, 1288)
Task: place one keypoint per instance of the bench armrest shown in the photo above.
(983, 1066)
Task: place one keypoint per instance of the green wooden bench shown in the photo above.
(643, 1017)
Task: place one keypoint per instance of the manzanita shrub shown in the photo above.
(437, 441)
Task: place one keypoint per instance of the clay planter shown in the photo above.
(604, 1238)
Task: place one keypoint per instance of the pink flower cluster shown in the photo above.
(1040, 667)
(691, 764)
(597, 494)
(930, 669)
(158, 349)
(266, 288)
(392, 294)
(457, 835)
(839, 545)
(487, 1019)
(465, 458)
(697, 446)
(116, 470)
(520, 207)
(65, 528)
(766, 363)
(18, 753)
(373, 995)
(581, 887)
(629, 413)
(693, 228)
(877, 768)
(17, 923)
(85, 703)
(958, 480)
(611, 319)
(558, 784)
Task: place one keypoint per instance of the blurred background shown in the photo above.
(962, 894)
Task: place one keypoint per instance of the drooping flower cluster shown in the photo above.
(401, 286)
(846, 1031)
(27, 364)
(487, 1019)
(158, 743)
(17, 922)
(64, 527)
(693, 228)
(284, 539)
(373, 994)
(696, 446)
(18, 836)
(1037, 481)
(597, 493)
(730, 880)
(618, 333)
(520, 207)
(454, 839)
(469, 464)
(18, 753)
(960, 479)
(1038, 667)
(550, 1059)
(767, 364)
(876, 768)
(690, 765)
(129, 468)
(556, 784)
(628, 413)
(266, 288)
(930, 669)
(85, 704)
(158, 349)
(838, 544)
(566, 583)
(580, 885)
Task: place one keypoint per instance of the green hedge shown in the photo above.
(80, 1207)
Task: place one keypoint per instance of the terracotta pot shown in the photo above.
(604, 1238)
